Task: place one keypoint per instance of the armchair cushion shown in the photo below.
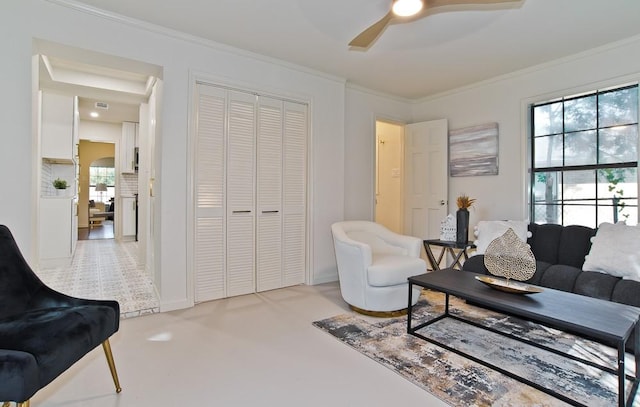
(57, 337)
(389, 270)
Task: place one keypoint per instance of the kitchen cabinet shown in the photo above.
(58, 231)
(58, 220)
(128, 144)
(128, 205)
(59, 128)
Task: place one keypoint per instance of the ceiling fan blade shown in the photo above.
(368, 36)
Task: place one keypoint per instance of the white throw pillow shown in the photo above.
(486, 231)
(615, 250)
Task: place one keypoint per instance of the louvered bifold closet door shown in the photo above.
(209, 246)
(269, 194)
(294, 192)
(241, 194)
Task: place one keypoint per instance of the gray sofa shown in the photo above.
(560, 253)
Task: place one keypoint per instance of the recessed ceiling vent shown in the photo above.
(102, 105)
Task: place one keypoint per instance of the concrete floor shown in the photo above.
(252, 350)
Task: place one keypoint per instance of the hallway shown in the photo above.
(104, 230)
(105, 269)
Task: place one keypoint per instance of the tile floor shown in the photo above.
(106, 269)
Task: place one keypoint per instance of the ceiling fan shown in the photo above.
(404, 11)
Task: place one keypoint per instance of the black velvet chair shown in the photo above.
(44, 332)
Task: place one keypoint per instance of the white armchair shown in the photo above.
(374, 264)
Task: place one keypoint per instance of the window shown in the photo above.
(102, 175)
(584, 158)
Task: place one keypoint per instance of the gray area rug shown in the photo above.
(461, 382)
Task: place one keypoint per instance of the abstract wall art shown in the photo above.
(474, 151)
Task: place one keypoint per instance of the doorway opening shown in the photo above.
(98, 189)
(109, 132)
(389, 175)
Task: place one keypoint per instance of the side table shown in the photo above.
(455, 249)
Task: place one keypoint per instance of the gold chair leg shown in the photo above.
(112, 366)
(23, 404)
(6, 404)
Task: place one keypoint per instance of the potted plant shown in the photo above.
(462, 218)
(60, 185)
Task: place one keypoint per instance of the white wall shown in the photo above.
(505, 100)
(362, 110)
(99, 131)
(24, 20)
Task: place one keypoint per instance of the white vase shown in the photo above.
(61, 192)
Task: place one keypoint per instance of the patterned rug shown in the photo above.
(461, 382)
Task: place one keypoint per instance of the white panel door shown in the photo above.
(241, 172)
(426, 182)
(209, 246)
(269, 194)
(294, 193)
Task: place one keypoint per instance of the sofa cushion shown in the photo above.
(475, 264)
(560, 277)
(575, 242)
(595, 285)
(541, 267)
(545, 241)
(627, 292)
(387, 270)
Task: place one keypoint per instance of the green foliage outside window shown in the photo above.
(102, 175)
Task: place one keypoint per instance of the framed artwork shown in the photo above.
(474, 151)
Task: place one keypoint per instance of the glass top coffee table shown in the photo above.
(607, 322)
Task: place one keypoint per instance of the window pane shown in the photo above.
(579, 185)
(618, 107)
(579, 213)
(548, 151)
(580, 114)
(547, 119)
(617, 182)
(547, 214)
(102, 175)
(580, 148)
(618, 144)
(624, 210)
(545, 187)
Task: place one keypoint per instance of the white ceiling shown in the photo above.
(119, 83)
(437, 53)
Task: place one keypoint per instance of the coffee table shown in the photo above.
(607, 322)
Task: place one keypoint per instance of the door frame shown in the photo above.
(199, 77)
(375, 167)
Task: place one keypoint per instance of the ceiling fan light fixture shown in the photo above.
(406, 8)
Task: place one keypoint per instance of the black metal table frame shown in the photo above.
(622, 402)
(447, 247)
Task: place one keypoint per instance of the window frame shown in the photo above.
(563, 169)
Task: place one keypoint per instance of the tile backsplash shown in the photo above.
(51, 171)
